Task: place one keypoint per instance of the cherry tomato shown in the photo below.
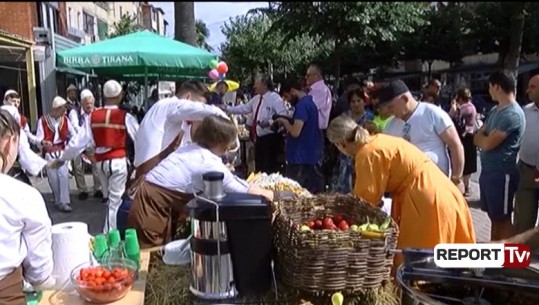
(106, 274)
(98, 273)
(111, 280)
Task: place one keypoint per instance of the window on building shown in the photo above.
(79, 19)
(103, 5)
(55, 20)
(88, 23)
(69, 17)
(102, 29)
(121, 11)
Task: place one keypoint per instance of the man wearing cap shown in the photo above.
(54, 131)
(72, 98)
(11, 97)
(28, 160)
(108, 127)
(78, 117)
(425, 125)
(160, 131)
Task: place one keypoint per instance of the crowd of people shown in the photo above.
(377, 139)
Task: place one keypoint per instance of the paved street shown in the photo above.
(92, 211)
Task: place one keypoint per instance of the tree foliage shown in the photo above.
(442, 37)
(126, 25)
(247, 51)
(345, 25)
(203, 33)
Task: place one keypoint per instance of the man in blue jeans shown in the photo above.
(499, 140)
(303, 140)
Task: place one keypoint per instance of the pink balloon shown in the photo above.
(213, 74)
(222, 67)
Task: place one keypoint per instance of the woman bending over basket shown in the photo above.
(427, 206)
(169, 186)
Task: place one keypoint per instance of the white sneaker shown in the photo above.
(65, 207)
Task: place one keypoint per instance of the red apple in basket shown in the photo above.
(311, 224)
(343, 225)
(318, 224)
(337, 219)
(328, 222)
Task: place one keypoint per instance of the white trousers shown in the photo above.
(58, 179)
(113, 176)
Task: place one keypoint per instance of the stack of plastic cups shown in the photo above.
(100, 247)
(115, 247)
(132, 248)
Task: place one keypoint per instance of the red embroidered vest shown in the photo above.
(109, 130)
(49, 132)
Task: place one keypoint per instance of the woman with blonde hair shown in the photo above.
(427, 206)
(25, 226)
(161, 199)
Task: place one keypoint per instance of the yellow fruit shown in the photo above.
(337, 298)
(373, 227)
(354, 228)
(305, 228)
(363, 227)
(372, 235)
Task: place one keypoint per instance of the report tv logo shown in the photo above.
(482, 255)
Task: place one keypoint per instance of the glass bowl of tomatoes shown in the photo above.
(104, 283)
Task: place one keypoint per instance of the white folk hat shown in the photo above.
(10, 91)
(58, 102)
(112, 88)
(85, 94)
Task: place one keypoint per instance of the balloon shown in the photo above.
(222, 67)
(213, 74)
(213, 64)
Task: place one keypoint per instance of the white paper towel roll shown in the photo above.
(70, 249)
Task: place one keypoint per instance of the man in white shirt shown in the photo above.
(11, 97)
(160, 131)
(264, 106)
(321, 94)
(425, 125)
(28, 160)
(54, 130)
(78, 117)
(108, 127)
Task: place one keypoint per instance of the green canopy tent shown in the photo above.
(138, 55)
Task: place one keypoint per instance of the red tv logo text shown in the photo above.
(516, 256)
(482, 255)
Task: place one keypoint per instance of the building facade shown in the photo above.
(153, 19)
(89, 22)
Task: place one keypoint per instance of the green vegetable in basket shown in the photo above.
(385, 225)
(363, 227)
(337, 298)
(373, 227)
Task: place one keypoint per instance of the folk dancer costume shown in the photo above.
(27, 159)
(109, 128)
(57, 131)
(78, 117)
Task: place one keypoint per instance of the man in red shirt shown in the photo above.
(54, 131)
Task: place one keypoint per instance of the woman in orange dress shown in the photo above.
(427, 206)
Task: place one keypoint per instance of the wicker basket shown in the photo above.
(323, 261)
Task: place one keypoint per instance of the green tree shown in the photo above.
(247, 51)
(498, 27)
(344, 24)
(442, 37)
(126, 25)
(203, 33)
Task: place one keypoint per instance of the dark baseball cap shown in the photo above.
(388, 91)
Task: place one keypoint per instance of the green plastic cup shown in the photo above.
(100, 246)
(131, 232)
(114, 238)
(131, 245)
